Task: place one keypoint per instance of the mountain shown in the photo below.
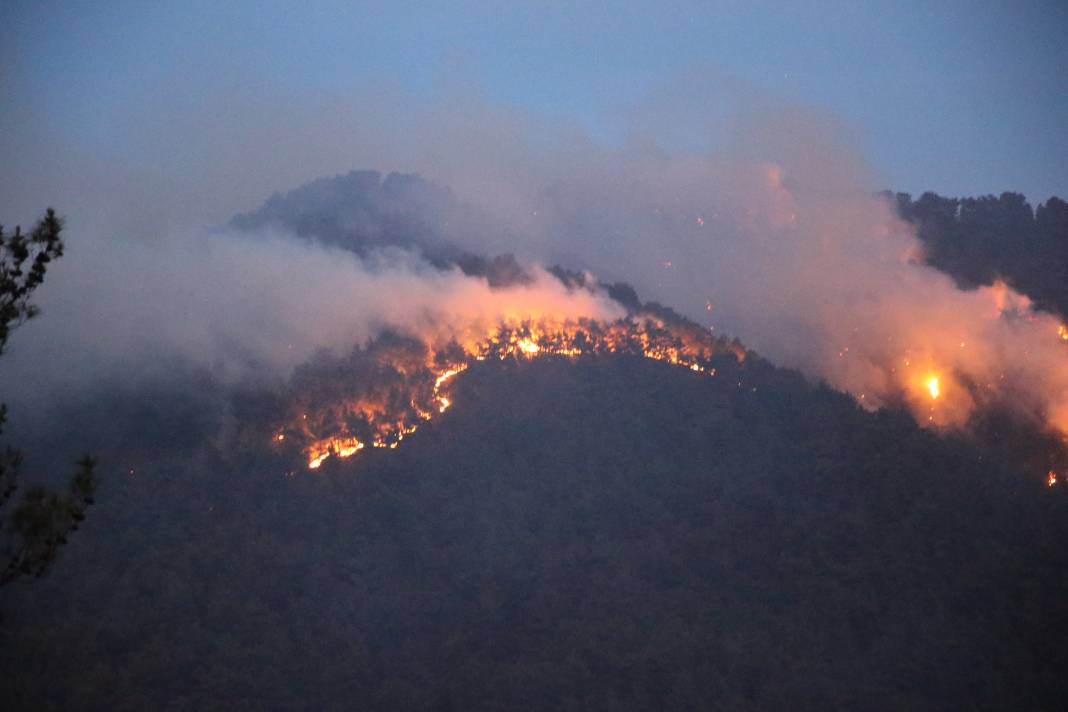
(596, 531)
(363, 211)
(606, 532)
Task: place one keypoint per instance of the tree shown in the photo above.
(34, 531)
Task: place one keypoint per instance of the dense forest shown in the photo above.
(979, 240)
(606, 533)
(600, 532)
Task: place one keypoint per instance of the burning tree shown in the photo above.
(377, 396)
(36, 529)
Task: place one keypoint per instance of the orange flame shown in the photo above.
(932, 387)
(390, 420)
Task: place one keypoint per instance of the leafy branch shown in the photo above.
(35, 530)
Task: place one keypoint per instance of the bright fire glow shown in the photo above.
(342, 447)
(932, 387)
(416, 383)
(528, 346)
(1051, 478)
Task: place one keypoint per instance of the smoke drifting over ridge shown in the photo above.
(769, 232)
(255, 306)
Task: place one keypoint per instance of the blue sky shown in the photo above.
(956, 97)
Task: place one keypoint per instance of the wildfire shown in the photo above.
(1051, 478)
(932, 387)
(412, 386)
(528, 347)
(449, 373)
(342, 447)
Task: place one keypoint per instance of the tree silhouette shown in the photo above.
(34, 531)
(979, 240)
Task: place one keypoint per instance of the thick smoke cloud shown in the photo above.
(247, 306)
(779, 239)
(761, 221)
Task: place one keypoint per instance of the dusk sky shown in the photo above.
(962, 98)
(557, 355)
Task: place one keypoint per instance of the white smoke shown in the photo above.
(250, 305)
(769, 231)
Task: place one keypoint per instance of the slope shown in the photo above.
(606, 532)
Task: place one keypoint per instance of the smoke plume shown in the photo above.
(765, 226)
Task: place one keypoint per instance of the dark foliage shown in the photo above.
(606, 533)
(978, 240)
(31, 535)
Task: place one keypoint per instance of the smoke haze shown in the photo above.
(254, 305)
(749, 214)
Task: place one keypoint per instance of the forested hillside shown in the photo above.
(596, 534)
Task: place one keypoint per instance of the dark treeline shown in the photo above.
(978, 240)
